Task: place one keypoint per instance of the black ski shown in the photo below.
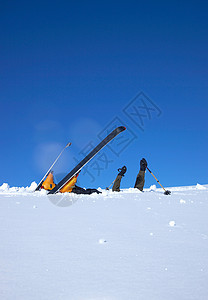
(102, 144)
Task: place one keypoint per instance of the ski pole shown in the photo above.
(110, 185)
(166, 191)
(46, 174)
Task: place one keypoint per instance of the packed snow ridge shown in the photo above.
(5, 188)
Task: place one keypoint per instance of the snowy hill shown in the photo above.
(127, 246)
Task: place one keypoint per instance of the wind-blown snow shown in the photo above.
(127, 245)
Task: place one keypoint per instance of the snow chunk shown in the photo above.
(13, 189)
(32, 187)
(102, 241)
(200, 187)
(4, 187)
(182, 201)
(172, 223)
(153, 187)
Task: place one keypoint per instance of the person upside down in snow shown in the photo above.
(71, 187)
(140, 179)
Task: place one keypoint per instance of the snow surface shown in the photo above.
(128, 245)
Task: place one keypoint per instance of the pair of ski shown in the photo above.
(80, 165)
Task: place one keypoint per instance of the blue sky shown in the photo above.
(68, 69)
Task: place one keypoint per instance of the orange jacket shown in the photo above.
(67, 188)
(49, 184)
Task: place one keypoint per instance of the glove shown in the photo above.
(143, 164)
(122, 170)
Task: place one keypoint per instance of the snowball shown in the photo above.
(172, 223)
(182, 201)
(102, 241)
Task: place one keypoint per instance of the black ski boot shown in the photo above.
(122, 170)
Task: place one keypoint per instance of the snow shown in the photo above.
(127, 245)
(6, 188)
(200, 187)
(172, 223)
(153, 187)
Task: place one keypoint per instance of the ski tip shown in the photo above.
(122, 128)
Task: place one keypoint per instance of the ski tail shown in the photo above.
(80, 165)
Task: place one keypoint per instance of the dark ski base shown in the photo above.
(102, 144)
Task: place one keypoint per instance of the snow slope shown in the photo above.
(127, 245)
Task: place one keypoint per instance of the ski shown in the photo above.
(77, 169)
(46, 174)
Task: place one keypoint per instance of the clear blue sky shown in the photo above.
(68, 68)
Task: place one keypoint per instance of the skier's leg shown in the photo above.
(139, 184)
(117, 182)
